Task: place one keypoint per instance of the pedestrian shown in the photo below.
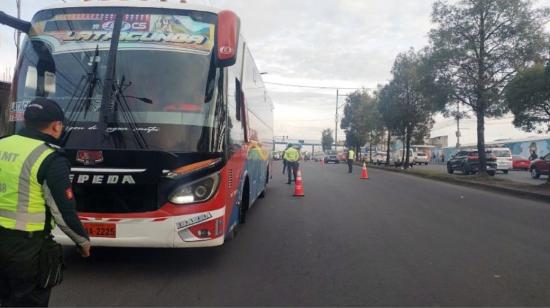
(292, 156)
(434, 160)
(285, 162)
(34, 190)
(442, 157)
(351, 159)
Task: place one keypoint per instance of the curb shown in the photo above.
(478, 185)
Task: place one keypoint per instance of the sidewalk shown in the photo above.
(518, 183)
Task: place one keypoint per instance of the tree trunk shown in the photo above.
(404, 142)
(481, 142)
(370, 152)
(407, 147)
(388, 149)
(481, 97)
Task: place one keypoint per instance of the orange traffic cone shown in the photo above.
(299, 187)
(364, 172)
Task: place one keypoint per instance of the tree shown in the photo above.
(528, 97)
(352, 121)
(479, 45)
(388, 106)
(326, 139)
(362, 121)
(409, 100)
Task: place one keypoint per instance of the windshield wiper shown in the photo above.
(113, 94)
(83, 98)
(121, 103)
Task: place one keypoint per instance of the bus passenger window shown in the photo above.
(31, 81)
(49, 83)
(238, 99)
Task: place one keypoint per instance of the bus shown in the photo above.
(169, 127)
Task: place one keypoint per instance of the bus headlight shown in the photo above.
(197, 191)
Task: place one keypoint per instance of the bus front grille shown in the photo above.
(116, 199)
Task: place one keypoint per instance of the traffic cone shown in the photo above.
(299, 187)
(364, 172)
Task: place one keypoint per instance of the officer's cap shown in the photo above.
(43, 110)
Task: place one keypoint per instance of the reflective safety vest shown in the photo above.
(292, 155)
(22, 204)
(351, 154)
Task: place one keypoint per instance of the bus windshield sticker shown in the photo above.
(67, 32)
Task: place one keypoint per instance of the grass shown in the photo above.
(537, 191)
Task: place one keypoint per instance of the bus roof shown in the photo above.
(140, 3)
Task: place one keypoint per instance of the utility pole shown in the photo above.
(336, 124)
(17, 32)
(336, 119)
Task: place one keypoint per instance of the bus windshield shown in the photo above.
(163, 85)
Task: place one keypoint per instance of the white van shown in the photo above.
(504, 158)
(397, 157)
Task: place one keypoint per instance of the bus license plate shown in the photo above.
(100, 230)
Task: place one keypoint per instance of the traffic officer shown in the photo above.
(285, 163)
(292, 157)
(34, 189)
(351, 159)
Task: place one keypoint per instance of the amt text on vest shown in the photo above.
(8, 156)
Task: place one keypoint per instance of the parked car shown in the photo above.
(468, 163)
(331, 157)
(540, 166)
(318, 156)
(504, 158)
(421, 158)
(520, 162)
(398, 156)
(342, 156)
(380, 158)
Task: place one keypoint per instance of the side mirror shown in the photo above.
(227, 38)
(17, 24)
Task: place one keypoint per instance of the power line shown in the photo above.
(314, 87)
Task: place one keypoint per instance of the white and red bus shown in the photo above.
(169, 126)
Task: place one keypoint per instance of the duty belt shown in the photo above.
(22, 234)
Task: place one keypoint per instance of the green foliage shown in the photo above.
(326, 139)
(528, 97)
(407, 103)
(478, 47)
(361, 121)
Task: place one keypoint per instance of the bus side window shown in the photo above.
(238, 99)
(31, 82)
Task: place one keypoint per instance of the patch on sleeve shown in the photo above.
(69, 193)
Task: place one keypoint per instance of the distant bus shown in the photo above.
(169, 126)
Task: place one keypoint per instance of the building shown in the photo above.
(527, 147)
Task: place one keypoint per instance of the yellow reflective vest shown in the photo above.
(351, 154)
(22, 204)
(292, 155)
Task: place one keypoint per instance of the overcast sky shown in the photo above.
(334, 43)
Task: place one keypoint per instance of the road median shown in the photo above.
(538, 192)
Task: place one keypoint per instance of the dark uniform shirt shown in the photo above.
(53, 175)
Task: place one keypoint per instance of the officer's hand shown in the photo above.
(84, 251)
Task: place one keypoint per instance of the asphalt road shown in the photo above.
(391, 240)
